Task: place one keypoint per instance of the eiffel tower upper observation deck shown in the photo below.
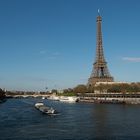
(100, 72)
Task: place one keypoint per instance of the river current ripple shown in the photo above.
(19, 120)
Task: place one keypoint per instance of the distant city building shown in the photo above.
(111, 83)
(100, 72)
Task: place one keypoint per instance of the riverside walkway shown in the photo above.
(94, 98)
(112, 98)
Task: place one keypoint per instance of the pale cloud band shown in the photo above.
(131, 59)
(43, 52)
(50, 56)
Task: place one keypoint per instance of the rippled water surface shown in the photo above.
(19, 120)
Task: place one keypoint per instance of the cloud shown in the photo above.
(49, 55)
(54, 55)
(131, 59)
(42, 52)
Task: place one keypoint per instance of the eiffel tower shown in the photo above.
(100, 72)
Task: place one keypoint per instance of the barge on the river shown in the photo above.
(45, 109)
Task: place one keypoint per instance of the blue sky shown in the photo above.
(52, 42)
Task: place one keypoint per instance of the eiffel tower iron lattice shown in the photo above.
(100, 72)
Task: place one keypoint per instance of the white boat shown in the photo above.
(45, 109)
(43, 97)
(70, 99)
(53, 97)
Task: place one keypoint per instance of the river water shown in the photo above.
(19, 120)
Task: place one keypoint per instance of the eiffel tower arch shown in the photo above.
(100, 72)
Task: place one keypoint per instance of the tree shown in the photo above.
(90, 89)
(54, 91)
(2, 93)
(69, 90)
(99, 88)
(80, 89)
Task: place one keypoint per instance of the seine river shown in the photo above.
(19, 120)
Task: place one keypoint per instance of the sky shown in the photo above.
(52, 43)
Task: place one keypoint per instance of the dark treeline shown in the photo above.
(107, 88)
(119, 88)
(2, 94)
(83, 89)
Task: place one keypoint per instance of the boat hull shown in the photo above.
(45, 109)
(68, 99)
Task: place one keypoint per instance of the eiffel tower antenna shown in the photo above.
(100, 72)
(98, 11)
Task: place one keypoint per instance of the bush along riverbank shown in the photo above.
(2, 96)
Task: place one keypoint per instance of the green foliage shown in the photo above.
(69, 90)
(106, 88)
(80, 89)
(90, 89)
(54, 91)
(119, 88)
(2, 93)
(114, 89)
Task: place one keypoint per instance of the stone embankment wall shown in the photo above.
(126, 100)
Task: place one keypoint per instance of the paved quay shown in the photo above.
(112, 98)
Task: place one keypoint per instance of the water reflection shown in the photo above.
(76, 121)
(100, 120)
(3, 100)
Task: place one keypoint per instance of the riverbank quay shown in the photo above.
(113, 98)
(106, 98)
